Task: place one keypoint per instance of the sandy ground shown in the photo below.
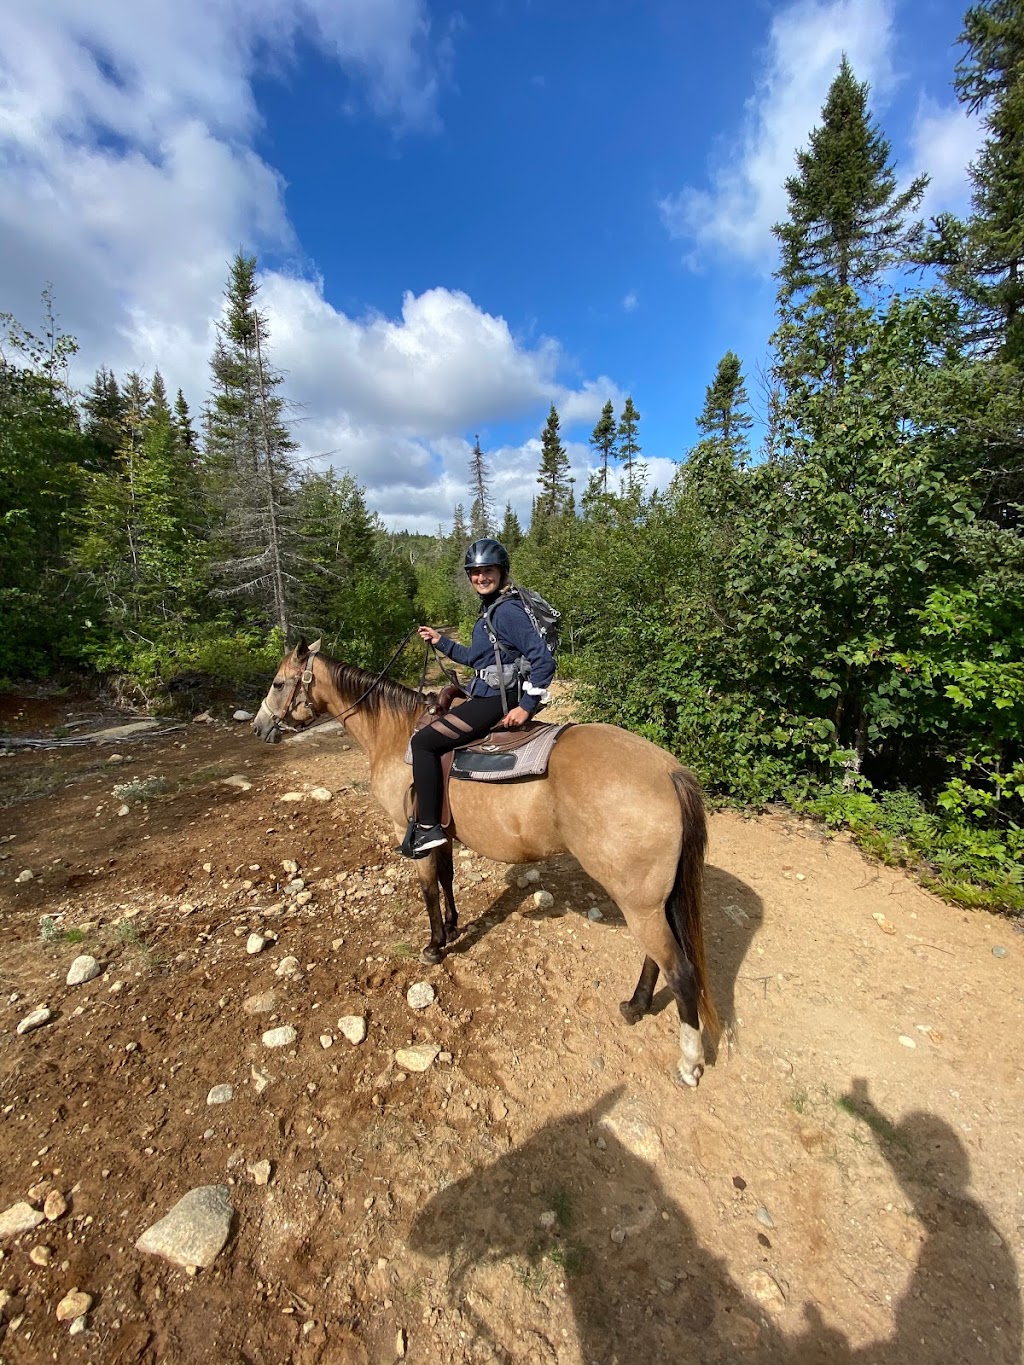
(846, 1184)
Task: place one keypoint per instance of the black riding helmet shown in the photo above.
(488, 553)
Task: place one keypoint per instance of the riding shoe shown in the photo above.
(423, 841)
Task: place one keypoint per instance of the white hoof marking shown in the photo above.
(691, 1063)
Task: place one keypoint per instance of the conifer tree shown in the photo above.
(480, 517)
(629, 444)
(104, 409)
(460, 533)
(553, 476)
(712, 464)
(602, 440)
(847, 224)
(247, 455)
(511, 533)
(183, 424)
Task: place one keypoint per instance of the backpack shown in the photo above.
(546, 619)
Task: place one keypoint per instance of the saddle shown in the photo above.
(501, 756)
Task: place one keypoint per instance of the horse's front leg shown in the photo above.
(446, 880)
(429, 870)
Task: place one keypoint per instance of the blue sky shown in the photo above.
(462, 214)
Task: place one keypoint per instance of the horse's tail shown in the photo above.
(684, 907)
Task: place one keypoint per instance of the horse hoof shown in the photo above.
(630, 1012)
(691, 1079)
(431, 956)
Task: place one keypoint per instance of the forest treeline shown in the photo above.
(833, 617)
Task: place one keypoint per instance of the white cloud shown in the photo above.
(734, 217)
(130, 181)
(630, 302)
(945, 141)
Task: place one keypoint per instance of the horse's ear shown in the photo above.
(301, 648)
(315, 646)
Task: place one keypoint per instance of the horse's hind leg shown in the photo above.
(634, 1009)
(654, 932)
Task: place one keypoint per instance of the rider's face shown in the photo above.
(486, 579)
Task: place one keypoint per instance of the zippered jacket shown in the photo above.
(517, 639)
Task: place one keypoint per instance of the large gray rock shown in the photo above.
(17, 1219)
(84, 968)
(195, 1230)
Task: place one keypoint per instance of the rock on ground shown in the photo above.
(194, 1231)
(84, 968)
(17, 1219)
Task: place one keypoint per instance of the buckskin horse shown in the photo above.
(626, 810)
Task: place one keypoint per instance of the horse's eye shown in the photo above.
(276, 685)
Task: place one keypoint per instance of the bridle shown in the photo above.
(303, 681)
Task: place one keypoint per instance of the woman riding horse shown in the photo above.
(487, 565)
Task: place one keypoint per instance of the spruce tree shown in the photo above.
(629, 444)
(247, 456)
(847, 225)
(104, 409)
(480, 517)
(602, 440)
(511, 533)
(553, 476)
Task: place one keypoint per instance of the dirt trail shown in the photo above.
(846, 1184)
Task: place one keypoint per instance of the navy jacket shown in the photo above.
(518, 639)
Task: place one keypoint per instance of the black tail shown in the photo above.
(685, 904)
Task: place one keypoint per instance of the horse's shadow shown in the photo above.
(733, 913)
(576, 1204)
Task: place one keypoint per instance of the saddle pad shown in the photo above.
(494, 760)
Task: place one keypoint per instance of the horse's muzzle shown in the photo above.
(266, 726)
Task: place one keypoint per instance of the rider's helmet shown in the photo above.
(484, 553)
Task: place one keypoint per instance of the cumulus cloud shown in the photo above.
(733, 217)
(126, 142)
(945, 140)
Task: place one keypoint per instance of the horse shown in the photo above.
(625, 809)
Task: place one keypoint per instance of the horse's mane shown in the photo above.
(387, 695)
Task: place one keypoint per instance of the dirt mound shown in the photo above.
(843, 1185)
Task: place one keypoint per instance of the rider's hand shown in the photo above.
(516, 717)
(429, 634)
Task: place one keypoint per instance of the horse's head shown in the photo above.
(291, 695)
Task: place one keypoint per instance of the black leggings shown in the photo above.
(472, 720)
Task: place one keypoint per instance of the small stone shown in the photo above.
(290, 866)
(54, 1206)
(260, 1004)
(114, 759)
(292, 796)
(547, 1219)
(260, 1079)
(321, 794)
(594, 913)
(35, 1020)
(303, 898)
(40, 1255)
(195, 1230)
(618, 1235)
(326, 1040)
(203, 718)
(401, 1341)
(280, 1037)
(767, 1291)
(260, 1171)
(764, 1217)
(11, 1305)
(26, 876)
(296, 884)
(906, 1042)
(255, 943)
(420, 1057)
(532, 875)
(75, 1304)
(78, 1326)
(998, 951)
(241, 715)
(221, 1094)
(288, 966)
(420, 995)
(123, 810)
(352, 1027)
(543, 899)
(83, 969)
(208, 867)
(499, 1109)
(238, 782)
